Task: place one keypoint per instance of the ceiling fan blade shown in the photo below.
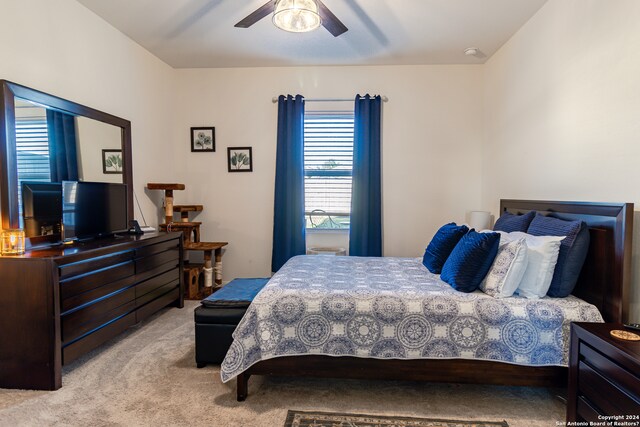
(331, 21)
(256, 15)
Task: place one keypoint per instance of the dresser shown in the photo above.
(58, 303)
(604, 375)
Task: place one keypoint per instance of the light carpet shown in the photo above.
(147, 377)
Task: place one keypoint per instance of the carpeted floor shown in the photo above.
(147, 377)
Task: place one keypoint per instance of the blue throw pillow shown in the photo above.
(470, 260)
(445, 239)
(573, 251)
(509, 222)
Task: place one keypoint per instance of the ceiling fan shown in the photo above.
(296, 16)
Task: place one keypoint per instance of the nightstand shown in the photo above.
(604, 374)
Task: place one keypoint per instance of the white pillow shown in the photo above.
(507, 269)
(542, 256)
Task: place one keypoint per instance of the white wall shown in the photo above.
(62, 48)
(562, 110)
(432, 134)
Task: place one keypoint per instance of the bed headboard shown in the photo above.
(606, 275)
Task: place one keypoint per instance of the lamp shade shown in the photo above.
(296, 16)
(13, 242)
(480, 220)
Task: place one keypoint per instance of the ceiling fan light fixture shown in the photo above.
(296, 16)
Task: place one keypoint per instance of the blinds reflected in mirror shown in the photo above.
(32, 149)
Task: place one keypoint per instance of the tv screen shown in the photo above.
(41, 208)
(93, 209)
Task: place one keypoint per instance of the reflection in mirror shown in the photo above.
(41, 204)
(93, 138)
(53, 146)
(45, 140)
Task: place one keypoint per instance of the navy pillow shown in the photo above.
(509, 222)
(573, 251)
(443, 242)
(470, 260)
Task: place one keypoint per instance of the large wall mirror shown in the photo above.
(44, 140)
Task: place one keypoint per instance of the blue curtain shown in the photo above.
(365, 229)
(288, 217)
(63, 155)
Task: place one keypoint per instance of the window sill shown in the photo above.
(327, 231)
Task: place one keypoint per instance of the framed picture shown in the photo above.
(240, 159)
(112, 161)
(203, 139)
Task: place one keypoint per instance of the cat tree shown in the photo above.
(199, 278)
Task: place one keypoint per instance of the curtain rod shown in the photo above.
(275, 99)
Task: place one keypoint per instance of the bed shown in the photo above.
(389, 318)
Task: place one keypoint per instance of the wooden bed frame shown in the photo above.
(604, 282)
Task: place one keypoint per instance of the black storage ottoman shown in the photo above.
(218, 316)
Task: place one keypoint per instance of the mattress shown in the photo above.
(395, 308)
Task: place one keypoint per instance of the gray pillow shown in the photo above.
(573, 251)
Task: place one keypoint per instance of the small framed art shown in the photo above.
(240, 159)
(112, 161)
(203, 139)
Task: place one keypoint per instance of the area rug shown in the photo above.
(334, 419)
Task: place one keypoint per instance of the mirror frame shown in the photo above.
(8, 166)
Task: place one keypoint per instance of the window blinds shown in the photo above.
(32, 152)
(328, 162)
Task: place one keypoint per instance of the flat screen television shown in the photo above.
(41, 208)
(93, 209)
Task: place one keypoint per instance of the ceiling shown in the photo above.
(201, 33)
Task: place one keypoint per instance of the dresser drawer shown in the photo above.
(151, 263)
(604, 373)
(78, 284)
(157, 292)
(614, 373)
(603, 394)
(89, 266)
(88, 297)
(94, 339)
(93, 316)
(158, 303)
(149, 285)
(587, 412)
(157, 248)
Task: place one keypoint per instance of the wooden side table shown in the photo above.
(604, 375)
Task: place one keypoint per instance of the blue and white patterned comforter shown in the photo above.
(395, 308)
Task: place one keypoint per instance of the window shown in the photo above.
(32, 151)
(328, 164)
